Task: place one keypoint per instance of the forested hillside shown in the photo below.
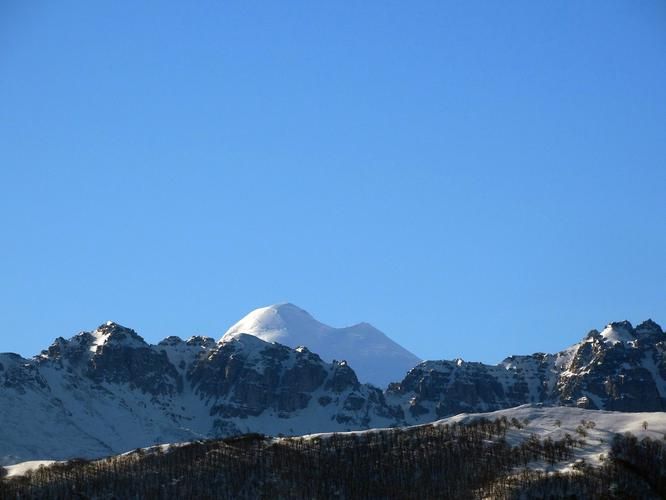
(474, 460)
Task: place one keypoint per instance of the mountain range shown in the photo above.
(108, 391)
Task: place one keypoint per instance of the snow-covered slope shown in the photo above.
(375, 358)
(593, 429)
(22, 468)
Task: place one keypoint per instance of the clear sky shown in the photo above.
(474, 178)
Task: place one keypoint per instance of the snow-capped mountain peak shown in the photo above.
(279, 322)
(111, 333)
(373, 356)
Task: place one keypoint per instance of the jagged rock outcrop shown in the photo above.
(441, 388)
(619, 368)
(246, 377)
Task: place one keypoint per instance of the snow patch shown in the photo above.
(24, 467)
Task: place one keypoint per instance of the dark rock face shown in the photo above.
(342, 378)
(619, 375)
(621, 369)
(19, 374)
(115, 355)
(251, 376)
(442, 388)
(246, 377)
(140, 368)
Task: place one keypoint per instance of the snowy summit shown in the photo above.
(375, 358)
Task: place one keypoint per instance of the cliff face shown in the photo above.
(620, 368)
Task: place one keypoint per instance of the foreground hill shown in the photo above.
(108, 391)
(527, 452)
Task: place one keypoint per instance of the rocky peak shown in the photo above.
(618, 332)
(10, 361)
(593, 334)
(342, 378)
(625, 325)
(201, 341)
(171, 341)
(12, 356)
(649, 327)
(120, 355)
(111, 333)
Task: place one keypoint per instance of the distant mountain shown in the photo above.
(108, 391)
(376, 359)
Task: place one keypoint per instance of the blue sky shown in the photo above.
(474, 178)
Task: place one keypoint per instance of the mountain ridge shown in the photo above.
(108, 391)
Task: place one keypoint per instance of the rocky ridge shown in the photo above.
(621, 368)
(108, 391)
